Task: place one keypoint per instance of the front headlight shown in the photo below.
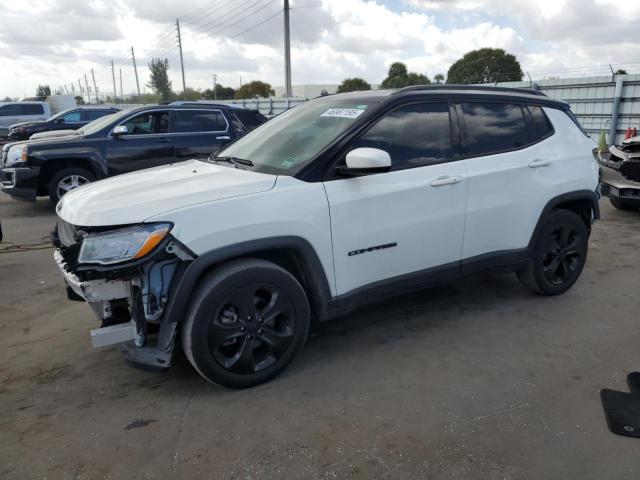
(16, 154)
(121, 245)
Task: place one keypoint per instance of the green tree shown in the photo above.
(398, 77)
(439, 78)
(43, 91)
(621, 72)
(79, 100)
(159, 78)
(486, 65)
(353, 85)
(190, 94)
(221, 93)
(323, 92)
(255, 89)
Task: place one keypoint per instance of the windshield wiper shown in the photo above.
(234, 160)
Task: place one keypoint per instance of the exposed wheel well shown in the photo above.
(50, 167)
(295, 263)
(581, 207)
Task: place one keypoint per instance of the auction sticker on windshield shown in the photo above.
(343, 112)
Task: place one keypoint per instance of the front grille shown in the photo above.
(631, 170)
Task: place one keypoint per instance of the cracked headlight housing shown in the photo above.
(116, 246)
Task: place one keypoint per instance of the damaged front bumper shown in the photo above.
(128, 299)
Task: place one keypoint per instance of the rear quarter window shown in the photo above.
(541, 127)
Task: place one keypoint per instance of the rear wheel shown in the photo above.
(246, 322)
(558, 255)
(67, 179)
(620, 205)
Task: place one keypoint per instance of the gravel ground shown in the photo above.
(479, 379)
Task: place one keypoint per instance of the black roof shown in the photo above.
(457, 91)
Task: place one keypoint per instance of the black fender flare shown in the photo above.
(186, 284)
(589, 195)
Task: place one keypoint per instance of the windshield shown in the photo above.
(286, 143)
(97, 125)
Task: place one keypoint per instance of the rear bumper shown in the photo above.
(614, 185)
(20, 183)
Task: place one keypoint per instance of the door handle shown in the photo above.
(539, 162)
(446, 180)
(223, 137)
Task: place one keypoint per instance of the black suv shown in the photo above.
(71, 119)
(123, 142)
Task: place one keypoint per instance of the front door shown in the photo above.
(410, 220)
(148, 143)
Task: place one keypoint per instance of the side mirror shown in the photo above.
(119, 131)
(366, 161)
(60, 120)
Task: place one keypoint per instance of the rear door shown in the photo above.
(509, 164)
(197, 133)
(405, 222)
(148, 143)
(32, 112)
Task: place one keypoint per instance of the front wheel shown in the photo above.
(558, 255)
(246, 322)
(67, 179)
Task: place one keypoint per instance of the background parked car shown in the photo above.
(123, 142)
(70, 119)
(16, 112)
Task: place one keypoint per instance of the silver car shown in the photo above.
(17, 112)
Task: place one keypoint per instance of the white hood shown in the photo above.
(134, 197)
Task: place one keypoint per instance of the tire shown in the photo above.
(246, 322)
(558, 256)
(72, 177)
(620, 205)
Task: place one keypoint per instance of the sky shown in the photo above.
(58, 42)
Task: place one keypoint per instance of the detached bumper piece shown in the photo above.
(129, 299)
(622, 409)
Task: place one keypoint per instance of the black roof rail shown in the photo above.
(453, 86)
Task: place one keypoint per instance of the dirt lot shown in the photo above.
(480, 379)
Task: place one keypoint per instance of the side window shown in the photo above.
(493, 128)
(414, 136)
(199, 121)
(249, 119)
(540, 125)
(32, 109)
(148, 123)
(72, 117)
(237, 124)
(10, 110)
(91, 115)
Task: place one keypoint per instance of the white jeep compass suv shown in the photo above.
(340, 201)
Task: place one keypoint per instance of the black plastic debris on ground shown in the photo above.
(622, 409)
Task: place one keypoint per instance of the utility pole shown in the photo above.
(95, 87)
(86, 82)
(121, 96)
(135, 69)
(184, 85)
(287, 51)
(215, 93)
(113, 75)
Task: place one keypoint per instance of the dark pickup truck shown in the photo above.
(123, 142)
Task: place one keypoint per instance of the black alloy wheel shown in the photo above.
(558, 254)
(245, 323)
(252, 328)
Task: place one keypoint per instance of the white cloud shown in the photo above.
(58, 41)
